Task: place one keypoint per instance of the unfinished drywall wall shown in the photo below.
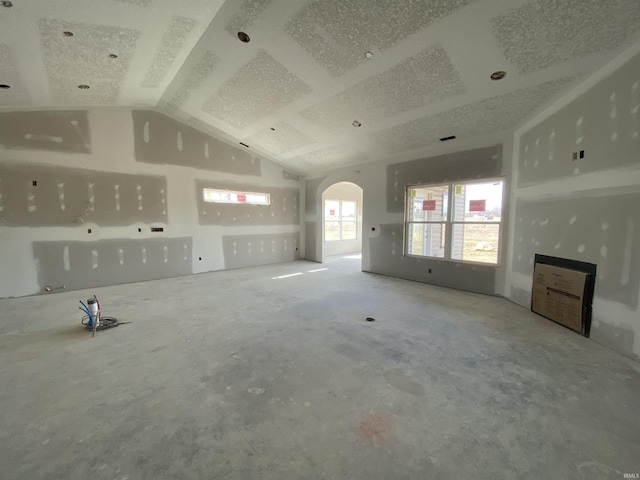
(470, 164)
(310, 241)
(383, 185)
(350, 192)
(260, 249)
(311, 191)
(57, 131)
(163, 140)
(78, 265)
(600, 229)
(283, 210)
(577, 195)
(386, 257)
(603, 124)
(98, 216)
(42, 195)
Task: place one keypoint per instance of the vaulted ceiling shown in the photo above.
(408, 72)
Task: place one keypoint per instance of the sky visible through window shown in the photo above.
(491, 192)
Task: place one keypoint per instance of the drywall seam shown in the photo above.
(78, 265)
(112, 154)
(581, 88)
(623, 180)
(162, 140)
(42, 195)
(59, 131)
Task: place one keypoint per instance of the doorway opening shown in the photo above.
(342, 223)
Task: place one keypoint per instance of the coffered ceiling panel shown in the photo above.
(548, 32)
(424, 78)
(337, 33)
(259, 88)
(313, 84)
(170, 45)
(197, 74)
(91, 63)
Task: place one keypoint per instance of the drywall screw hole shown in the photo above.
(370, 319)
(243, 37)
(200, 258)
(67, 33)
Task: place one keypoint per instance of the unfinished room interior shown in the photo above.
(319, 239)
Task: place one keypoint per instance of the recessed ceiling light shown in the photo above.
(113, 55)
(6, 3)
(368, 55)
(67, 33)
(244, 37)
(499, 75)
(83, 87)
(4, 86)
(356, 123)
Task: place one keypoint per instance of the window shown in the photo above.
(456, 221)
(230, 196)
(340, 217)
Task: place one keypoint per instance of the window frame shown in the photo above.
(340, 220)
(449, 220)
(206, 190)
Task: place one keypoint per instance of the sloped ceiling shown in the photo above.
(293, 92)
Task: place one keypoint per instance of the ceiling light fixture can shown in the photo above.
(499, 75)
(244, 38)
(356, 123)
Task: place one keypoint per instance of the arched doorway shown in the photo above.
(342, 221)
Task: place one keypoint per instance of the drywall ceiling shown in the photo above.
(293, 92)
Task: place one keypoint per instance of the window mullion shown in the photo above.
(449, 224)
(340, 218)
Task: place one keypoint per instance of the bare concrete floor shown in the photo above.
(242, 375)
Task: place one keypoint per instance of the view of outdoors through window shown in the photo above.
(476, 229)
(470, 232)
(427, 236)
(340, 220)
(230, 196)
